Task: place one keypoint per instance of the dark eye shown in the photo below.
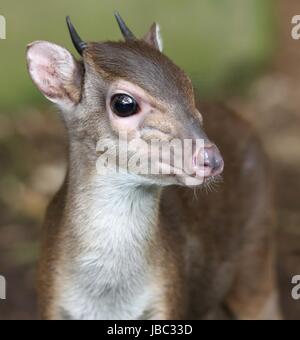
(124, 105)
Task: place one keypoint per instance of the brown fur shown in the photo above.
(145, 66)
(210, 251)
(226, 234)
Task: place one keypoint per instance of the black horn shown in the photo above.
(79, 44)
(127, 34)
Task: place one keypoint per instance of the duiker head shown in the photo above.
(126, 88)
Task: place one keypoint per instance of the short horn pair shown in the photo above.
(80, 45)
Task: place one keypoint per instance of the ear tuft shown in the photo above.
(154, 38)
(55, 72)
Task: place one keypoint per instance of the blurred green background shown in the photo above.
(240, 51)
(222, 44)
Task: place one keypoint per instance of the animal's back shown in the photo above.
(228, 221)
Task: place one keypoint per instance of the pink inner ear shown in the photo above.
(52, 69)
(50, 84)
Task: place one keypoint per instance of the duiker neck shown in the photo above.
(112, 206)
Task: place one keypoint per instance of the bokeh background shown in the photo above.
(239, 51)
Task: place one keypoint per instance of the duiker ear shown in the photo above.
(55, 72)
(154, 38)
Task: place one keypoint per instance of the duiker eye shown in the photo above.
(124, 105)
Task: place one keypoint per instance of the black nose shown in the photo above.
(213, 160)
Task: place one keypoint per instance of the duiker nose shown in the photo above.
(213, 161)
(210, 160)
